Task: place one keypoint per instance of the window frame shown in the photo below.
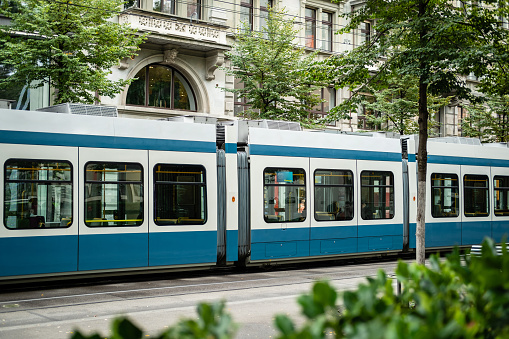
(486, 189)
(249, 4)
(172, 89)
(352, 201)
(173, 6)
(50, 182)
(393, 186)
(504, 189)
(104, 223)
(203, 184)
(264, 13)
(457, 187)
(327, 27)
(265, 218)
(311, 20)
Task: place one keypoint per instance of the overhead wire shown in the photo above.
(233, 28)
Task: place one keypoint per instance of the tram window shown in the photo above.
(333, 195)
(284, 195)
(444, 195)
(113, 194)
(501, 190)
(377, 195)
(180, 195)
(37, 194)
(476, 198)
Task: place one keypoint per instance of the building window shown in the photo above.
(364, 33)
(327, 31)
(180, 195)
(240, 104)
(377, 195)
(444, 195)
(284, 194)
(310, 27)
(328, 95)
(333, 195)
(113, 194)
(364, 121)
(264, 12)
(132, 4)
(37, 194)
(161, 86)
(246, 13)
(194, 9)
(501, 185)
(164, 6)
(475, 188)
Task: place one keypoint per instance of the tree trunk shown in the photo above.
(422, 156)
(422, 153)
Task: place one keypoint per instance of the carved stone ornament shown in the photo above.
(170, 55)
(124, 63)
(213, 62)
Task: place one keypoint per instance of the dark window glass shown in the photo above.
(113, 194)
(136, 92)
(476, 198)
(377, 195)
(310, 27)
(284, 194)
(501, 189)
(444, 195)
(161, 86)
(37, 194)
(333, 195)
(180, 195)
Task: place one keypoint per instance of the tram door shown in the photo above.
(113, 230)
(183, 213)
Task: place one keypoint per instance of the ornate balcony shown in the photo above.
(167, 29)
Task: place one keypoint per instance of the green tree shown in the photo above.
(488, 122)
(396, 101)
(72, 45)
(433, 41)
(278, 77)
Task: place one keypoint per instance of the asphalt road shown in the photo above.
(253, 298)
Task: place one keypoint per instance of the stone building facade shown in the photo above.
(177, 68)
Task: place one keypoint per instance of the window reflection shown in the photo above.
(161, 86)
(284, 195)
(333, 195)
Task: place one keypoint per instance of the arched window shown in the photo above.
(161, 86)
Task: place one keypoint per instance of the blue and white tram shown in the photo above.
(86, 195)
(353, 184)
(467, 193)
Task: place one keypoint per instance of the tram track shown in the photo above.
(61, 299)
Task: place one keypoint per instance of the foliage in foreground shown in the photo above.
(449, 299)
(213, 323)
(459, 297)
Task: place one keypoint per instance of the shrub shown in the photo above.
(213, 323)
(460, 297)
